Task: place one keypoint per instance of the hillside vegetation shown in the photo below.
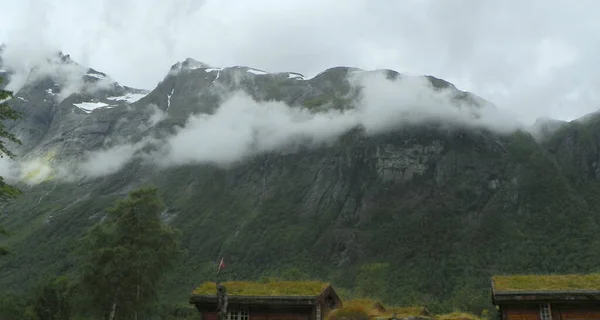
(424, 214)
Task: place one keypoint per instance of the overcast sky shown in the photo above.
(534, 58)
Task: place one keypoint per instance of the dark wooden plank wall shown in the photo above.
(521, 312)
(255, 314)
(579, 312)
(559, 312)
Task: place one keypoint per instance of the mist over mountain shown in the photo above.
(225, 114)
(278, 171)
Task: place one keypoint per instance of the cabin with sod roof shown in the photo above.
(368, 309)
(276, 300)
(547, 297)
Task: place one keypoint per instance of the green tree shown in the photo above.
(15, 307)
(3, 250)
(294, 274)
(6, 113)
(125, 256)
(53, 299)
(371, 280)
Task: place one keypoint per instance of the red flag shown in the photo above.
(221, 264)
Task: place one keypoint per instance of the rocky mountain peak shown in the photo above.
(188, 64)
(545, 127)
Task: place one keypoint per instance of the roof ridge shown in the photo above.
(310, 288)
(575, 282)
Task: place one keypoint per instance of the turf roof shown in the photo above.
(570, 282)
(274, 288)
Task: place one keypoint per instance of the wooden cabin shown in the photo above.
(276, 300)
(547, 297)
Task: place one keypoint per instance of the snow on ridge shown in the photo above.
(193, 64)
(96, 75)
(169, 99)
(258, 72)
(129, 97)
(212, 69)
(295, 76)
(217, 77)
(89, 106)
(23, 99)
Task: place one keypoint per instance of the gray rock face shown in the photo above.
(401, 164)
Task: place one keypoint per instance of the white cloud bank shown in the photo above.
(242, 127)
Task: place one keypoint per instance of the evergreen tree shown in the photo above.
(15, 307)
(371, 281)
(6, 113)
(126, 255)
(53, 299)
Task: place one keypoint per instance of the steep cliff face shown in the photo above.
(575, 147)
(445, 205)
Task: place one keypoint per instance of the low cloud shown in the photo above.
(243, 127)
(9, 170)
(410, 100)
(30, 68)
(107, 161)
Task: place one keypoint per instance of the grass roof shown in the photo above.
(547, 282)
(403, 312)
(355, 309)
(271, 288)
(362, 302)
(366, 309)
(458, 316)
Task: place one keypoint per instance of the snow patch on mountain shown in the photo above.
(169, 99)
(257, 72)
(129, 97)
(90, 106)
(97, 76)
(295, 76)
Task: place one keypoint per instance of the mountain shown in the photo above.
(318, 174)
(546, 127)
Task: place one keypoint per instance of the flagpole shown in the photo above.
(219, 267)
(221, 294)
(217, 275)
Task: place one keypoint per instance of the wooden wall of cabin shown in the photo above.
(520, 312)
(268, 313)
(326, 308)
(573, 312)
(559, 312)
(261, 316)
(328, 304)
